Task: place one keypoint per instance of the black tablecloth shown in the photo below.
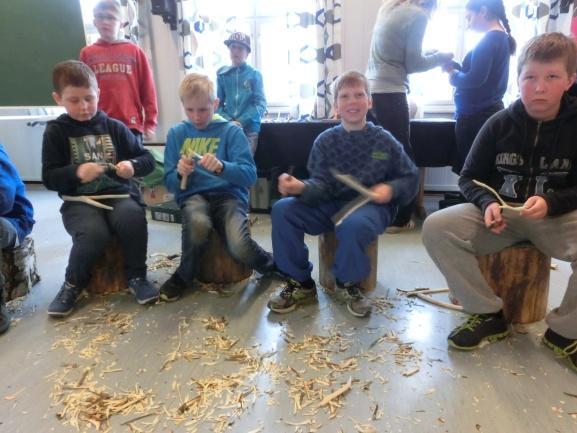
(288, 144)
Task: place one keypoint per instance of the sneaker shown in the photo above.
(352, 295)
(173, 288)
(292, 294)
(63, 304)
(564, 347)
(400, 229)
(143, 290)
(4, 316)
(477, 329)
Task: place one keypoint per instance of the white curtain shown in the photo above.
(329, 54)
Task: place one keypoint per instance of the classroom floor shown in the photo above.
(209, 363)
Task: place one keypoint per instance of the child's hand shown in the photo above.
(289, 185)
(185, 166)
(211, 163)
(535, 208)
(382, 193)
(124, 169)
(445, 57)
(493, 219)
(237, 123)
(89, 171)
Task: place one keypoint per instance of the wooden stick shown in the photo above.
(337, 393)
(498, 197)
(438, 303)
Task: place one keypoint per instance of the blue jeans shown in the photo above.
(8, 239)
(228, 216)
(91, 229)
(291, 219)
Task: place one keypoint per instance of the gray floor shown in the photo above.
(404, 379)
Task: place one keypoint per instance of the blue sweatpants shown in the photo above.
(291, 219)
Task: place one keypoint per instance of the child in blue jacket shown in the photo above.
(16, 219)
(240, 89)
(209, 168)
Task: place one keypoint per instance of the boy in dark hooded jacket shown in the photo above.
(527, 154)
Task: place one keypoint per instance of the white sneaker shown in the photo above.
(400, 229)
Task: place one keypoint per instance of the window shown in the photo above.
(282, 37)
(447, 32)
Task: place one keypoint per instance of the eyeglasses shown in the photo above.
(105, 17)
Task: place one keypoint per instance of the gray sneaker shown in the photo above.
(351, 295)
(291, 295)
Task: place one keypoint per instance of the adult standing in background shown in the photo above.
(396, 52)
(480, 83)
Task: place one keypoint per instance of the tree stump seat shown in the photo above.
(519, 275)
(217, 266)
(108, 274)
(327, 247)
(19, 269)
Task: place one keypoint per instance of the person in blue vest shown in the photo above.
(16, 220)
(240, 89)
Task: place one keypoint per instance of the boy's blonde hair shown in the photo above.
(73, 73)
(194, 85)
(548, 47)
(111, 6)
(350, 78)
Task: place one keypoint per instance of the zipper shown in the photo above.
(236, 96)
(531, 160)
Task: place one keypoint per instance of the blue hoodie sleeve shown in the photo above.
(239, 167)
(255, 110)
(171, 157)
(405, 175)
(317, 189)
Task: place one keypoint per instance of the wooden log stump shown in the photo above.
(19, 269)
(108, 274)
(327, 247)
(217, 266)
(519, 275)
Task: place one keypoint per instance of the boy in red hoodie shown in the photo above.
(127, 91)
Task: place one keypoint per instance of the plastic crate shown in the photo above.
(166, 212)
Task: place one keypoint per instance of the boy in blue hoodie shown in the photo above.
(209, 168)
(16, 220)
(240, 89)
(370, 154)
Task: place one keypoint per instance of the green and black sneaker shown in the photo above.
(292, 294)
(564, 347)
(479, 328)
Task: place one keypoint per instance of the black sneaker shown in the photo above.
(352, 295)
(64, 302)
(292, 294)
(143, 290)
(4, 316)
(564, 347)
(477, 329)
(173, 288)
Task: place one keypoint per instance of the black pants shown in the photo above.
(391, 111)
(91, 229)
(466, 129)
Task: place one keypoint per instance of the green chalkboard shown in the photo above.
(35, 35)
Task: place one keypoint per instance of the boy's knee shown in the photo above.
(357, 228)
(96, 235)
(281, 208)
(433, 227)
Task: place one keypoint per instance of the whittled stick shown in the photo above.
(184, 179)
(504, 204)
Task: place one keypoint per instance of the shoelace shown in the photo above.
(471, 323)
(67, 293)
(571, 349)
(288, 290)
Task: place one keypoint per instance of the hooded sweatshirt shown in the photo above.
(371, 155)
(520, 157)
(67, 143)
(224, 140)
(127, 91)
(14, 206)
(241, 95)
